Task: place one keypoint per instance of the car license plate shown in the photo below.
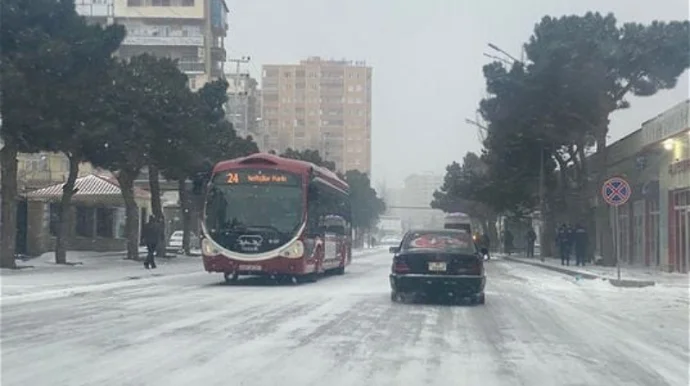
(437, 266)
(244, 267)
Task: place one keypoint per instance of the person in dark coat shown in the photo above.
(484, 244)
(580, 240)
(531, 238)
(151, 237)
(563, 244)
(571, 240)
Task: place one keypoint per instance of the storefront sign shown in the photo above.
(667, 124)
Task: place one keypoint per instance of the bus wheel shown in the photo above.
(339, 270)
(231, 277)
(308, 278)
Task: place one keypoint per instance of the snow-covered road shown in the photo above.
(537, 328)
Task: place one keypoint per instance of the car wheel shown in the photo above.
(397, 297)
(339, 271)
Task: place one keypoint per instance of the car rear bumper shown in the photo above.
(457, 284)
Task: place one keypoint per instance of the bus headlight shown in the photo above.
(208, 249)
(294, 251)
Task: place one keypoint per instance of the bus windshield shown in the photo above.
(254, 211)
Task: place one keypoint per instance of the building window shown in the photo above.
(134, 3)
(84, 221)
(105, 222)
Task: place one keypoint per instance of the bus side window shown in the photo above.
(314, 210)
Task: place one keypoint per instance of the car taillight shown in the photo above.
(400, 266)
(477, 266)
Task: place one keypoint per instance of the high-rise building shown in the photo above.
(417, 196)
(318, 104)
(191, 31)
(419, 188)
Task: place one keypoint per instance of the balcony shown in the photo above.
(147, 40)
(191, 67)
(219, 17)
(168, 34)
(95, 8)
(218, 54)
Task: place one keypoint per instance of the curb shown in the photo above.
(623, 283)
(565, 271)
(627, 283)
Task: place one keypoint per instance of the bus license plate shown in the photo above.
(437, 266)
(245, 267)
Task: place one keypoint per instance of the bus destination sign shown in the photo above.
(261, 177)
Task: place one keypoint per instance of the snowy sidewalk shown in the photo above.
(93, 268)
(630, 276)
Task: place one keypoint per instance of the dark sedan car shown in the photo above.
(437, 262)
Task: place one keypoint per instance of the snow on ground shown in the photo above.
(97, 270)
(627, 272)
(537, 328)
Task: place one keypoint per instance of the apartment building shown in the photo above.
(412, 202)
(419, 188)
(191, 31)
(319, 104)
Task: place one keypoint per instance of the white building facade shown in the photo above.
(190, 31)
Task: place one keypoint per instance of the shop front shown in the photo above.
(679, 218)
(669, 135)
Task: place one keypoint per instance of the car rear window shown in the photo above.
(440, 240)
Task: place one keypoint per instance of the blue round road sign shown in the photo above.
(616, 191)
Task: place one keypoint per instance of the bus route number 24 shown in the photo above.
(233, 178)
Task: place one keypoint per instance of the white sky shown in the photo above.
(427, 57)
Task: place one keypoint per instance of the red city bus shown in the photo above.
(274, 216)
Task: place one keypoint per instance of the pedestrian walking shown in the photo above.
(563, 244)
(580, 243)
(531, 238)
(151, 237)
(485, 246)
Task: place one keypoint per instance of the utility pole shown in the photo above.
(237, 94)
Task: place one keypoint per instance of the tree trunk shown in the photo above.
(157, 207)
(602, 210)
(65, 210)
(8, 211)
(126, 180)
(185, 212)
